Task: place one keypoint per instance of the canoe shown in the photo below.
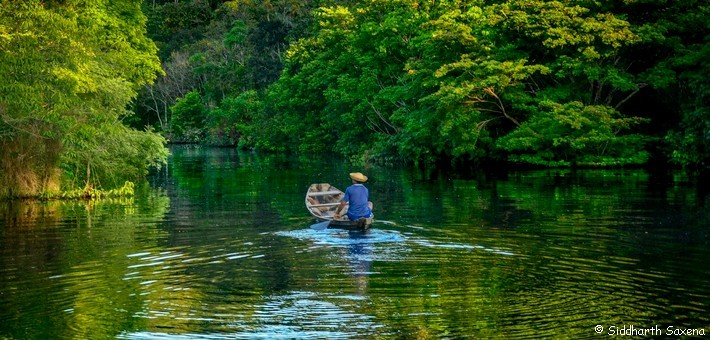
(322, 199)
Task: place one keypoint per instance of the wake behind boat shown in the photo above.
(322, 199)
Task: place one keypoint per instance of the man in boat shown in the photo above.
(357, 196)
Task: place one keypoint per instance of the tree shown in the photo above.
(219, 50)
(69, 72)
(233, 122)
(523, 55)
(345, 80)
(189, 115)
(154, 101)
(575, 134)
(446, 80)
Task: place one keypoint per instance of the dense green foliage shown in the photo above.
(554, 83)
(574, 133)
(69, 70)
(220, 49)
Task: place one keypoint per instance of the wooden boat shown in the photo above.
(322, 199)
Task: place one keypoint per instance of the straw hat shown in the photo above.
(358, 177)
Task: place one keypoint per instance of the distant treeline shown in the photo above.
(91, 90)
(553, 83)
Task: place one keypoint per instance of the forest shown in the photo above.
(93, 90)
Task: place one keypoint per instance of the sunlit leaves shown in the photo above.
(433, 81)
(69, 72)
(558, 24)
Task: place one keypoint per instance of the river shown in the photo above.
(219, 245)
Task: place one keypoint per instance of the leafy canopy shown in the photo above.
(69, 71)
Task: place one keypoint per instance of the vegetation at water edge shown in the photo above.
(92, 90)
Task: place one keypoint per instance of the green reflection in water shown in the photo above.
(220, 246)
(63, 263)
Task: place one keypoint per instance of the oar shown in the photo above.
(321, 225)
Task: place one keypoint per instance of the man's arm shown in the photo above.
(338, 209)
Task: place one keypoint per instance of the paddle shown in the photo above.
(321, 225)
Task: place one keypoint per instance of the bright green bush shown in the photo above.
(575, 134)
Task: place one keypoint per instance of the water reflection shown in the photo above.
(359, 254)
(219, 247)
(297, 314)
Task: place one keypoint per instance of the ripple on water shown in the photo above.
(296, 314)
(339, 237)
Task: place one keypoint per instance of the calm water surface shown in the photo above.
(219, 245)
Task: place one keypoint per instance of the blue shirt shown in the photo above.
(357, 196)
